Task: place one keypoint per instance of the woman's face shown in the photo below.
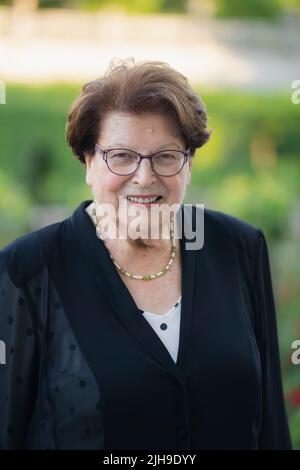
(145, 133)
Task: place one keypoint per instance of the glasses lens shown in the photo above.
(168, 163)
(122, 162)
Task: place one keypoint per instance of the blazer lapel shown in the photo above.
(121, 301)
(188, 276)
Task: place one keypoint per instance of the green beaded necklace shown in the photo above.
(146, 277)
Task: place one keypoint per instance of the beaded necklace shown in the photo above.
(146, 277)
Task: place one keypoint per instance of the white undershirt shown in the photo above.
(170, 322)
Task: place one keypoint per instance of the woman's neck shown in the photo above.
(135, 246)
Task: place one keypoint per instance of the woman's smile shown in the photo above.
(144, 201)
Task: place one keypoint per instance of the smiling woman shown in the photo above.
(128, 342)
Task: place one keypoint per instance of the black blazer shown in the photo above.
(85, 370)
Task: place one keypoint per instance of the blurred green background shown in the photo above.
(250, 168)
(223, 8)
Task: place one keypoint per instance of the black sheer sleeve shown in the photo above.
(274, 432)
(19, 367)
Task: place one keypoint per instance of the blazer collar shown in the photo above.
(119, 298)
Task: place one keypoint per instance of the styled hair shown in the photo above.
(136, 88)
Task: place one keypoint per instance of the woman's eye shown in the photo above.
(165, 156)
(121, 156)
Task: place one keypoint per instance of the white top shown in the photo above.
(167, 327)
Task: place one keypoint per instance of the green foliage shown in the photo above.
(14, 206)
(250, 166)
(35, 166)
(293, 4)
(248, 9)
(52, 3)
(265, 199)
(267, 9)
(132, 6)
(295, 427)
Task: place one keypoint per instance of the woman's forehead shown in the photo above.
(138, 127)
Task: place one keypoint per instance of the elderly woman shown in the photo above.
(135, 341)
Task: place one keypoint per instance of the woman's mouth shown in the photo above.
(145, 201)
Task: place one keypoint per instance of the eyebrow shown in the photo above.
(168, 146)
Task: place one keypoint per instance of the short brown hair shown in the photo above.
(136, 88)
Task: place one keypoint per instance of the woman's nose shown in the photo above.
(144, 173)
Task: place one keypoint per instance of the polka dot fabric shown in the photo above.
(49, 397)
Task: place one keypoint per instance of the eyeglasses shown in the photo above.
(124, 162)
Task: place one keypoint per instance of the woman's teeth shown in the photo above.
(143, 200)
